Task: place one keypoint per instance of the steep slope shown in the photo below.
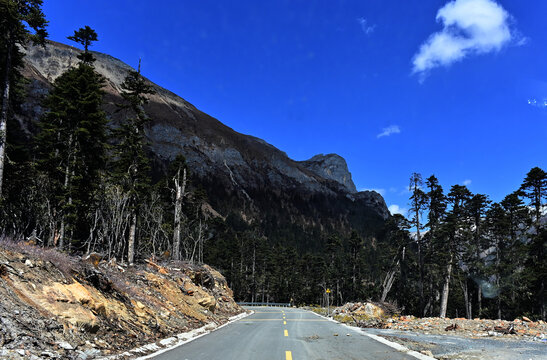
(241, 174)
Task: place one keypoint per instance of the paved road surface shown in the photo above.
(283, 334)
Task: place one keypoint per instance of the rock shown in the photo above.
(451, 327)
(49, 354)
(29, 263)
(333, 167)
(139, 305)
(505, 330)
(524, 318)
(427, 353)
(3, 270)
(93, 259)
(168, 341)
(64, 345)
(209, 303)
(88, 354)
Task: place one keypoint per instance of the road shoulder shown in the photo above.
(386, 342)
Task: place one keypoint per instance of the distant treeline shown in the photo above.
(82, 184)
(466, 256)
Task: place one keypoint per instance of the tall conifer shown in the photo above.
(72, 144)
(17, 19)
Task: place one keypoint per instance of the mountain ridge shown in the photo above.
(248, 169)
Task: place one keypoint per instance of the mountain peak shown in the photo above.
(333, 167)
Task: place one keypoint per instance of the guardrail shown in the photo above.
(264, 304)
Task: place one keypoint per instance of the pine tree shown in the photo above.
(503, 222)
(334, 250)
(418, 203)
(477, 207)
(85, 36)
(131, 165)
(17, 18)
(72, 145)
(434, 261)
(496, 222)
(534, 187)
(355, 245)
(455, 221)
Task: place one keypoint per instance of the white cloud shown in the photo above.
(542, 104)
(470, 27)
(395, 209)
(379, 191)
(365, 26)
(466, 182)
(392, 129)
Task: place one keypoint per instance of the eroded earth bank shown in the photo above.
(57, 306)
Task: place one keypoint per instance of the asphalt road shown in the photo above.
(283, 334)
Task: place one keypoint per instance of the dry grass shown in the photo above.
(66, 264)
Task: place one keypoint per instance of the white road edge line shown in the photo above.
(175, 341)
(391, 344)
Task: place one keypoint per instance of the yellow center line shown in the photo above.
(284, 323)
(286, 333)
(288, 355)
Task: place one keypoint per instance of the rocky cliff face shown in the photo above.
(241, 173)
(332, 167)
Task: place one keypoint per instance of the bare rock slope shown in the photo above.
(255, 178)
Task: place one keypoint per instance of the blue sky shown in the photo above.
(455, 89)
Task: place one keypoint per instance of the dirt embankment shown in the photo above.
(56, 306)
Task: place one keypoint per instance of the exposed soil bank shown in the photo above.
(57, 306)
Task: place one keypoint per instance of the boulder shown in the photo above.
(209, 303)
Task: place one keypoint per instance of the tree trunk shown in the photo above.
(131, 240)
(388, 283)
(179, 191)
(389, 280)
(253, 290)
(498, 298)
(479, 300)
(478, 259)
(4, 112)
(420, 261)
(467, 300)
(446, 288)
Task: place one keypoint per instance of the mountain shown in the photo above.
(241, 174)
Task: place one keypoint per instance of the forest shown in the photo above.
(83, 184)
